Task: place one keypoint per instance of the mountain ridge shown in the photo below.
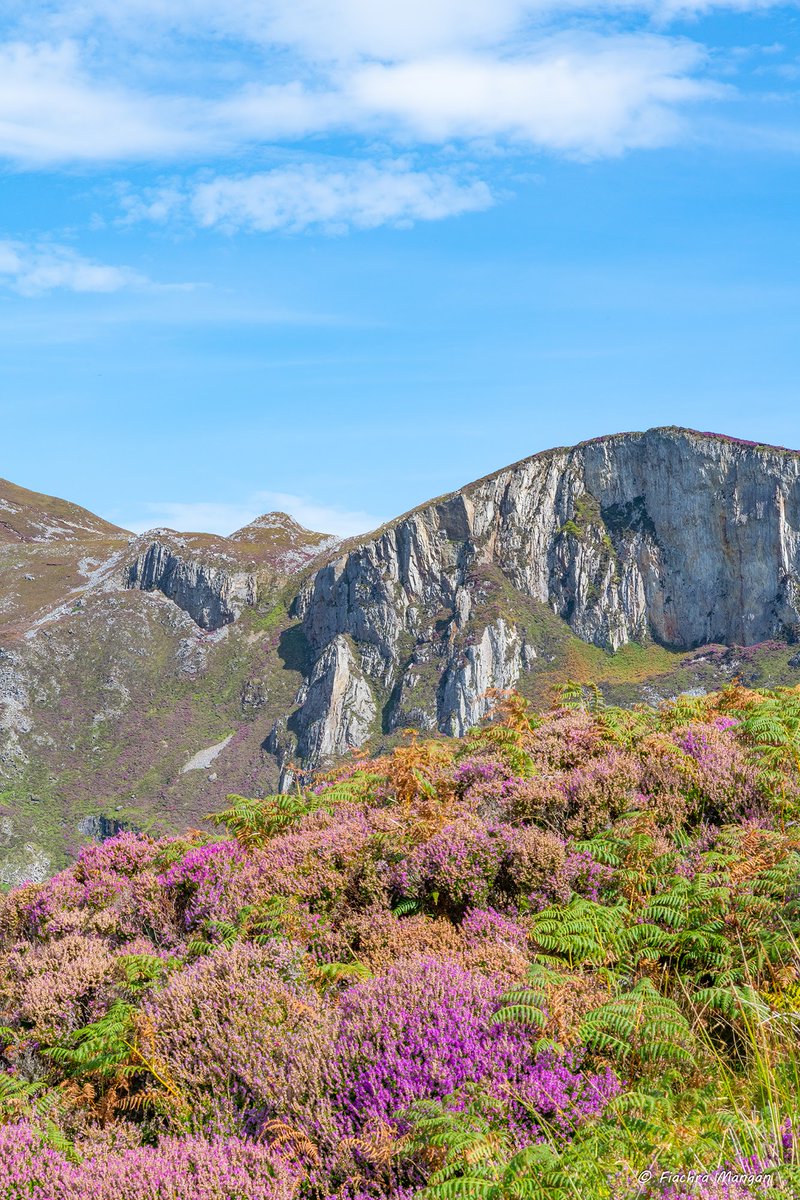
(651, 562)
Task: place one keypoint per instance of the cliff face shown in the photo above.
(214, 579)
(669, 535)
(213, 595)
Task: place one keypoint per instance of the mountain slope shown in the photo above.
(48, 547)
(32, 517)
(142, 679)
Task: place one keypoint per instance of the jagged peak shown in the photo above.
(282, 543)
(158, 531)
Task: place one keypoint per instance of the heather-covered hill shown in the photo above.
(128, 665)
(554, 958)
(144, 678)
(49, 548)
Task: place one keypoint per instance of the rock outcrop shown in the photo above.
(495, 660)
(338, 707)
(671, 536)
(212, 595)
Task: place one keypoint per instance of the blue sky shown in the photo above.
(338, 256)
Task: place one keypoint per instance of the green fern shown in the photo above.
(102, 1047)
(501, 741)
(479, 1160)
(213, 934)
(527, 1004)
(143, 971)
(330, 975)
(640, 1025)
(254, 822)
(582, 931)
(20, 1098)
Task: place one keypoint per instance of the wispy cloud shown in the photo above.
(331, 197)
(434, 80)
(54, 109)
(225, 518)
(343, 30)
(34, 270)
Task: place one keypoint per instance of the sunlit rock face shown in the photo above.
(674, 536)
(212, 595)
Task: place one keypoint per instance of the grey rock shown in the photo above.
(100, 827)
(254, 695)
(339, 707)
(27, 863)
(670, 535)
(212, 595)
(493, 662)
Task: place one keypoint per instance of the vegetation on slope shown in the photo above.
(556, 958)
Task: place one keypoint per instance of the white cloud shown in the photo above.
(340, 30)
(589, 97)
(333, 198)
(321, 29)
(202, 517)
(224, 519)
(446, 75)
(126, 81)
(363, 196)
(345, 28)
(33, 270)
(584, 95)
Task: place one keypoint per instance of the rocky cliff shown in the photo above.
(212, 594)
(669, 536)
(143, 679)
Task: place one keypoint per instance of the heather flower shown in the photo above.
(425, 1030)
(597, 792)
(788, 1148)
(585, 876)
(725, 781)
(459, 865)
(536, 863)
(112, 890)
(240, 1043)
(487, 925)
(377, 939)
(177, 1169)
(58, 986)
(476, 771)
(494, 945)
